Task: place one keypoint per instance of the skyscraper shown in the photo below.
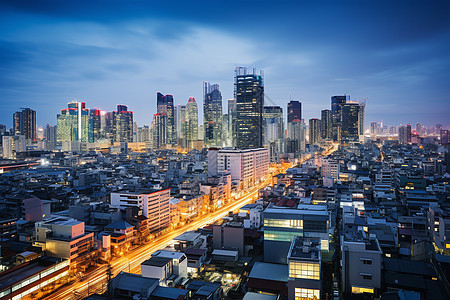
(349, 122)
(159, 128)
(326, 125)
(192, 123)
(295, 142)
(274, 130)
(180, 125)
(123, 124)
(314, 131)
(294, 111)
(96, 124)
(249, 95)
(231, 142)
(74, 123)
(212, 115)
(24, 123)
(165, 106)
(336, 103)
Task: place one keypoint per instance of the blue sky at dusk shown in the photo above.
(395, 53)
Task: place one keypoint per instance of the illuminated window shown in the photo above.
(298, 224)
(306, 294)
(304, 270)
(361, 290)
(283, 236)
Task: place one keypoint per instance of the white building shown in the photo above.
(155, 205)
(179, 261)
(330, 168)
(12, 145)
(249, 166)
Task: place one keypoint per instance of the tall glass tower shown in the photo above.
(249, 95)
(212, 115)
(165, 106)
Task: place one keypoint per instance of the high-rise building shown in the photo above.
(273, 130)
(361, 112)
(165, 106)
(74, 124)
(180, 125)
(404, 134)
(192, 123)
(212, 115)
(295, 142)
(123, 124)
(24, 123)
(96, 123)
(231, 142)
(144, 134)
(419, 128)
(314, 131)
(326, 125)
(12, 145)
(159, 128)
(349, 122)
(336, 103)
(249, 95)
(294, 111)
(444, 133)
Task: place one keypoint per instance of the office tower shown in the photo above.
(295, 142)
(404, 134)
(408, 134)
(192, 123)
(96, 124)
(24, 123)
(273, 130)
(419, 128)
(361, 112)
(159, 129)
(143, 134)
(336, 103)
(326, 125)
(212, 115)
(123, 124)
(231, 123)
(180, 124)
(349, 122)
(373, 128)
(314, 131)
(249, 95)
(294, 111)
(50, 136)
(444, 133)
(12, 145)
(74, 124)
(165, 106)
(226, 136)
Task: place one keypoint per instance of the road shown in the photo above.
(131, 261)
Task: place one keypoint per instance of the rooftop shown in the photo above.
(268, 271)
(157, 261)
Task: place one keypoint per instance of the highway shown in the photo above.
(95, 281)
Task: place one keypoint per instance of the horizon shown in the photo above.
(106, 54)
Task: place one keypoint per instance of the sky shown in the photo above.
(394, 54)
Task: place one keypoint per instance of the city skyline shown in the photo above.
(124, 55)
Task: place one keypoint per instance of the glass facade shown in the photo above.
(249, 95)
(305, 294)
(298, 224)
(282, 236)
(304, 270)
